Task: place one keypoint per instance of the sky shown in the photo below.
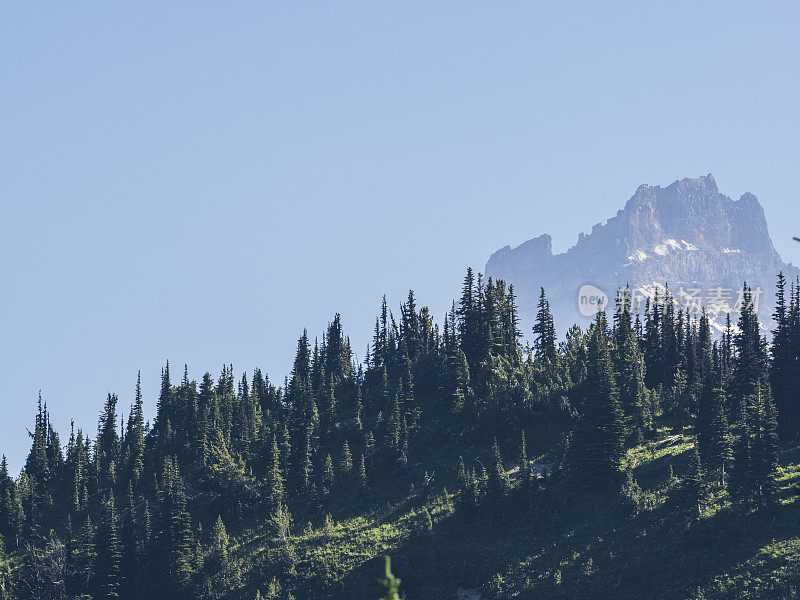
(199, 181)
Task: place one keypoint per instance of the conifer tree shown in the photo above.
(499, 483)
(469, 320)
(84, 556)
(651, 342)
(706, 409)
(526, 474)
(177, 543)
(346, 463)
(750, 359)
(362, 472)
(145, 541)
(694, 487)
(670, 344)
(719, 437)
(328, 477)
(629, 368)
(595, 452)
(524, 463)
(36, 463)
(784, 354)
(106, 570)
(282, 522)
(7, 526)
(275, 479)
(765, 459)
(164, 409)
(220, 541)
(130, 566)
(134, 436)
(544, 331)
(742, 480)
(307, 464)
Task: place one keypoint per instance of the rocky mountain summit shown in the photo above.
(688, 235)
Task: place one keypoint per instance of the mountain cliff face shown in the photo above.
(688, 235)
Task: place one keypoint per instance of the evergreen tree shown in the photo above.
(651, 342)
(129, 566)
(134, 437)
(362, 472)
(275, 480)
(176, 543)
(784, 354)
(220, 541)
(469, 325)
(544, 331)
(328, 477)
(595, 451)
(765, 455)
(7, 525)
(750, 358)
(106, 570)
(526, 474)
(742, 481)
(629, 369)
(346, 463)
(694, 487)
(84, 556)
(499, 483)
(719, 437)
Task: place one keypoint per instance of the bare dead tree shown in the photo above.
(42, 574)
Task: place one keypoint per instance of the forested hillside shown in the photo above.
(640, 458)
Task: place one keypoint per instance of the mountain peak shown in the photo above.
(687, 234)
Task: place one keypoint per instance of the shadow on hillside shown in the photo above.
(582, 548)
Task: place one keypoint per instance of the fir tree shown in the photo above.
(106, 570)
(328, 476)
(346, 463)
(134, 436)
(629, 368)
(220, 541)
(765, 458)
(275, 480)
(694, 487)
(719, 437)
(742, 481)
(177, 542)
(595, 452)
(129, 549)
(784, 354)
(84, 556)
(544, 331)
(499, 483)
(750, 359)
(362, 472)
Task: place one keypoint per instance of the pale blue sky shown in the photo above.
(199, 181)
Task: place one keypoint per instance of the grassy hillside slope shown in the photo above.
(563, 547)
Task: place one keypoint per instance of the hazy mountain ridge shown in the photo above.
(687, 234)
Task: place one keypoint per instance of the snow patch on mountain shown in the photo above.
(638, 255)
(670, 244)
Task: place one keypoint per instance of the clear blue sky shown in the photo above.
(199, 181)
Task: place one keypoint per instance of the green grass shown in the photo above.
(564, 547)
